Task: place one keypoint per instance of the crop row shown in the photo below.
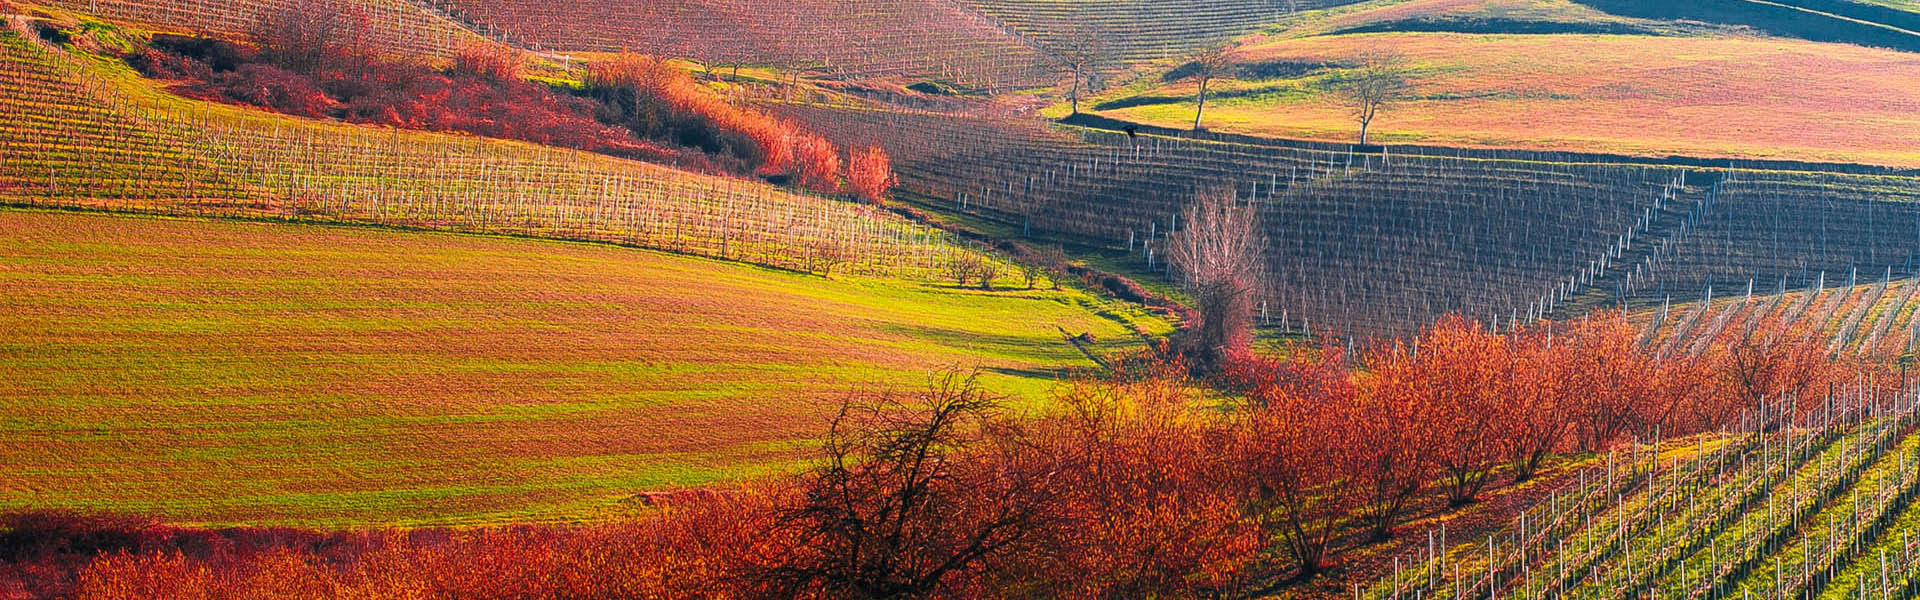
(1363, 243)
(1795, 502)
(928, 39)
(1869, 320)
(91, 136)
(400, 27)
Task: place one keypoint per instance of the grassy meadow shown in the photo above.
(1708, 96)
(228, 371)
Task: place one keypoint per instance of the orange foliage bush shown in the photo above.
(817, 164)
(654, 99)
(870, 174)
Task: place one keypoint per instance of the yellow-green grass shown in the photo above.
(210, 371)
(1642, 95)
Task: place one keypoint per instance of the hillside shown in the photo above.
(1355, 233)
(399, 27)
(233, 372)
(927, 40)
(1821, 508)
(140, 149)
(1624, 94)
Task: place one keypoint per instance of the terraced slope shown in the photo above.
(225, 372)
(857, 39)
(1356, 234)
(1362, 243)
(1813, 501)
(87, 133)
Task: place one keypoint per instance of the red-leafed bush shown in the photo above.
(870, 174)
(817, 164)
(657, 101)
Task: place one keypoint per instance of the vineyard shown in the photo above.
(399, 27)
(1814, 501)
(1355, 235)
(92, 135)
(921, 39)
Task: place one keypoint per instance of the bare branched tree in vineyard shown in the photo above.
(1219, 255)
(1378, 79)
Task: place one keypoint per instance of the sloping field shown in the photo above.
(1138, 31)
(1466, 16)
(1651, 96)
(1356, 235)
(399, 27)
(221, 371)
(1815, 506)
(1866, 316)
(89, 133)
(926, 39)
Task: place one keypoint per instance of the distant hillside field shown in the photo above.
(218, 371)
(1657, 96)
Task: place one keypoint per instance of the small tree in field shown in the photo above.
(1205, 67)
(826, 254)
(1082, 54)
(1379, 79)
(870, 174)
(1220, 256)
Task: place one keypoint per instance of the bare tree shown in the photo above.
(1220, 257)
(909, 492)
(1207, 65)
(1378, 79)
(826, 254)
(1082, 53)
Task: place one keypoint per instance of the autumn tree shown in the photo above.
(1204, 67)
(1386, 450)
(1539, 400)
(1219, 255)
(870, 174)
(1770, 360)
(907, 498)
(1459, 378)
(818, 167)
(1149, 506)
(1601, 358)
(1292, 445)
(1378, 79)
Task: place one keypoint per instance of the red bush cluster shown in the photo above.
(1333, 435)
(656, 100)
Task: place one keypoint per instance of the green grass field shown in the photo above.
(230, 371)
